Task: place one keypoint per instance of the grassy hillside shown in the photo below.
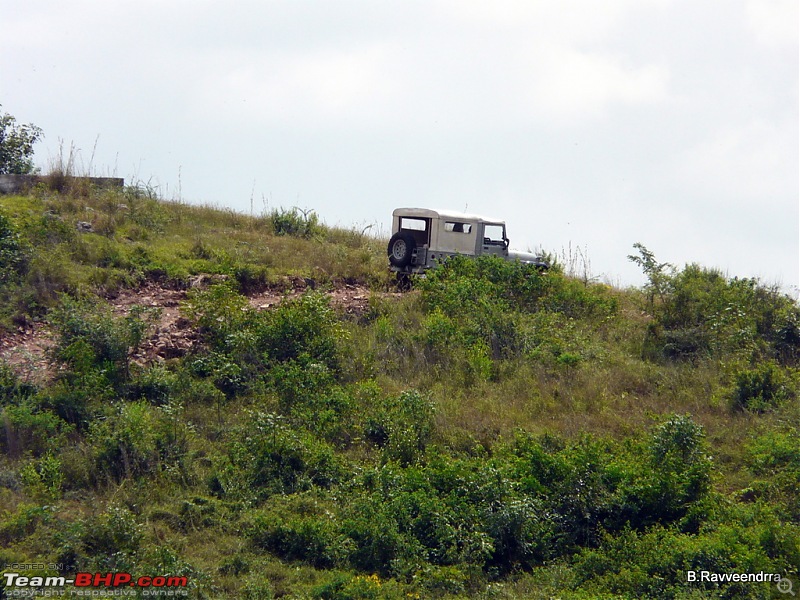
(495, 433)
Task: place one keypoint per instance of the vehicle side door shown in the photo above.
(493, 239)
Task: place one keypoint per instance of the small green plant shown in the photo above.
(659, 275)
(43, 477)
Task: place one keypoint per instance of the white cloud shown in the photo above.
(573, 84)
(774, 22)
(470, 66)
(745, 165)
(303, 89)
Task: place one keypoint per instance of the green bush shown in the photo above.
(16, 145)
(378, 544)
(30, 430)
(311, 538)
(402, 426)
(699, 312)
(763, 388)
(137, 439)
(681, 472)
(23, 521)
(294, 347)
(226, 373)
(219, 313)
(305, 330)
(274, 458)
(77, 396)
(294, 222)
(111, 540)
(488, 303)
(155, 384)
(12, 390)
(91, 337)
(361, 587)
(13, 257)
(774, 458)
(654, 563)
(126, 445)
(593, 486)
(43, 478)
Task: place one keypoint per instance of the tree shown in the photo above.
(16, 145)
(659, 275)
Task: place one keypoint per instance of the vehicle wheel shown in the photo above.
(401, 248)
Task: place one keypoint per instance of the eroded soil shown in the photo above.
(172, 335)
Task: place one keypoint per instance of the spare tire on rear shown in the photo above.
(401, 249)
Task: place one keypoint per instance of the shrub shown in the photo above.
(700, 312)
(31, 430)
(402, 427)
(594, 486)
(16, 145)
(90, 337)
(13, 256)
(654, 563)
(12, 390)
(378, 545)
(224, 371)
(125, 445)
(361, 587)
(219, 312)
(22, 522)
(43, 477)
(305, 330)
(112, 538)
(274, 458)
(762, 388)
(78, 395)
(294, 222)
(774, 457)
(107, 540)
(298, 336)
(312, 538)
(138, 440)
(682, 469)
(155, 384)
(486, 303)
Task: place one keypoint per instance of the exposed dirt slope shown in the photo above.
(25, 350)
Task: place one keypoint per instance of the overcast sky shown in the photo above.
(584, 124)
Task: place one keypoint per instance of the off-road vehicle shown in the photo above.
(422, 238)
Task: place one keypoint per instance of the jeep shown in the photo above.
(422, 238)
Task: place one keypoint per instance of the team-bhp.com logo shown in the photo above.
(150, 586)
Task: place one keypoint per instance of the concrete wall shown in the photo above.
(14, 184)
